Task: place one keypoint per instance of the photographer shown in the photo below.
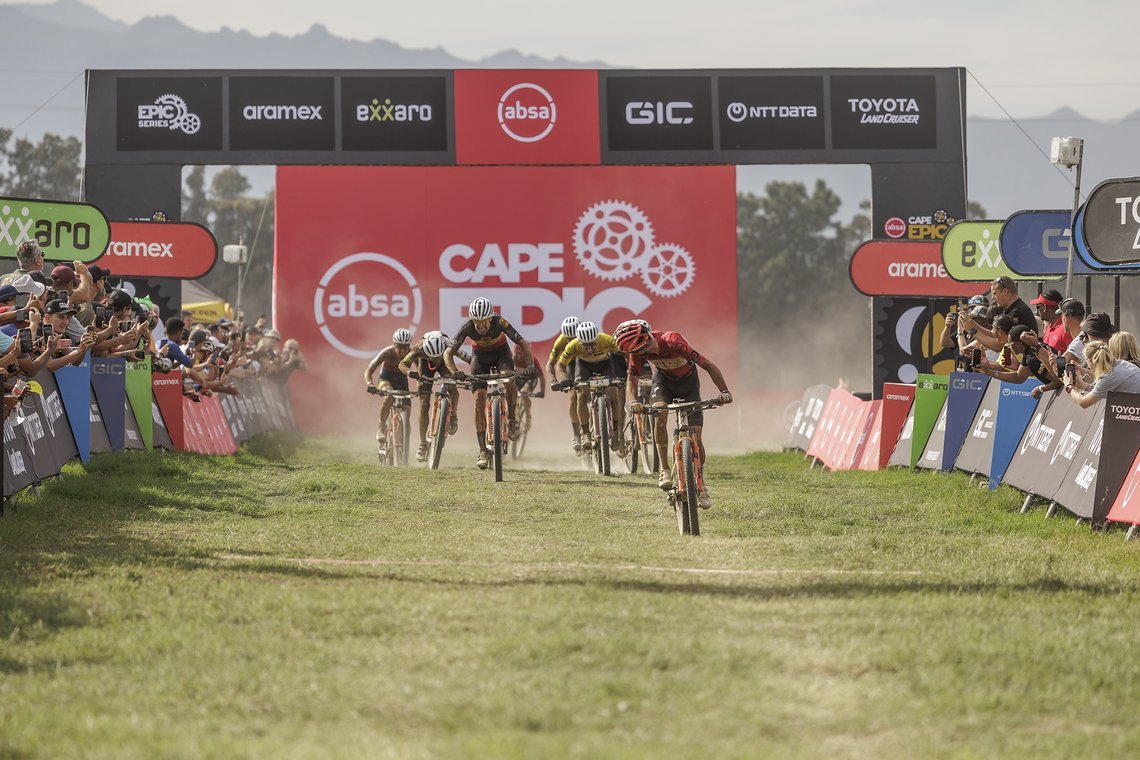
(289, 362)
(1034, 358)
(1108, 372)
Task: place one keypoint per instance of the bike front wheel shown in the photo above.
(497, 437)
(439, 432)
(688, 486)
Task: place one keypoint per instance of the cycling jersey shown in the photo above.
(495, 337)
(576, 350)
(675, 358)
(560, 344)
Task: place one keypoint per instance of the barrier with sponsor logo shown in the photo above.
(929, 398)
(977, 449)
(807, 417)
(935, 448)
(1126, 507)
(966, 392)
(894, 412)
(1016, 405)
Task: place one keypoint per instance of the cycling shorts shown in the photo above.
(394, 378)
(488, 362)
(687, 388)
(584, 370)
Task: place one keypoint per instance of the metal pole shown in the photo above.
(1116, 300)
(1072, 224)
(1088, 295)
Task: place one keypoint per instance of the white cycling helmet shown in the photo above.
(481, 309)
(587, 332)
(433, 345)
(570, 327)
(402, 337)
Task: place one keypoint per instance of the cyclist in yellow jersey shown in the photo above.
(593, 353)
(567, 334)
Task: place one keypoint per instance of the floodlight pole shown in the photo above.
(1072, 224)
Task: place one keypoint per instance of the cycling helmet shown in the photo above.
(402, 337)
(632, 335)
(433, 345)
(569, 326)
(481, 309)
(587, 332)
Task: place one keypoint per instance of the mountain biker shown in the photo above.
(567, 333)
(675, 377)
(534, 387)
(592, 353)
(388, 362)
(424, 363)
(489, 333)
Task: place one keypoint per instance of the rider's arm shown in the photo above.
(562, 367)
(541, 380)
(373, 366)
(714, 373)
(405, 365)
(518, 340)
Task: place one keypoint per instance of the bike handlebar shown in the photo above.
(693, 405)
(390, 392)
(497, 377)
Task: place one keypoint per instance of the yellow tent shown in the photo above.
(206, 306)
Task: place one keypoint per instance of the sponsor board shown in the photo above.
(603, 243)
(901, 268)
(282, 113)
(160, 249)
(526, 117)
(929, 399)
(168, 113)
(771, 112)
(1112, 222)
(395, 113)
(1016, 407)
(1036, 244)
(883, 111)
(1126, 507)
(65, 231)
(658, 113)
(966, 392)
(905, 336)
(971, 252)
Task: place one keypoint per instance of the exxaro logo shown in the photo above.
(18, 226)
(386, 110)
(885, 110)
(348, 317)
(640, 112)
(738, 112)
(282, 113)
(169, 112)
(527, 112)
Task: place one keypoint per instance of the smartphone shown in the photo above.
(26, 341)
(976, 358)
(21, 315)
(46, 331)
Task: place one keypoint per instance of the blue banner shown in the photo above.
(1015, 408)
(109, 381)
(75, 389)
(962, 401)
(1036, 243)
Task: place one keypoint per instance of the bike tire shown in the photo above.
(439, 434)
(497, 437)
(689, 484)
(403, 438)
(604, 437)
(650, 462)
(519, 444)
(632, 446)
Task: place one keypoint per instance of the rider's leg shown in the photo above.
(575, 421)
(425, 413)
(700, 450)
(385, 410)
(619, 411)
(661, 436)
(481, 417)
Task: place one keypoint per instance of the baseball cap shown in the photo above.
(119, 299)
(8, 292)
(273, 334)
(1071, 307)
(1050, 297)
(196, 337)
(25, 283)
(58, 307)
(64, 274)
(977, 301)
(98, 272)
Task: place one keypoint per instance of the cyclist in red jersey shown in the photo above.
(675, 377)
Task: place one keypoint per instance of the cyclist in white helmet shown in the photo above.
(423, 364)
(565, 335)
(489, 333)
(592, 353)
(388, 362)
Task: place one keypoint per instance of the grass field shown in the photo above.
(295, 601)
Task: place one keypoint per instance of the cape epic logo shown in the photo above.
(527, 112)
(919, 227)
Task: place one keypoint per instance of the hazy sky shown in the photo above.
(1033, 55)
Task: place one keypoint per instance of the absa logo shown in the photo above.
(354, 319)
(894, 227)
(527, 112)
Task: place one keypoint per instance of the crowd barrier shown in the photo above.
(109, 405)
(1086, 461)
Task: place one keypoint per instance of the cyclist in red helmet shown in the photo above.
(675, 377)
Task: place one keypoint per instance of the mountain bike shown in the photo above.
(523, 419)
(688, 477)
(496, 434)
(440, 421)
(399, 438)
(601, 419)
(641, 449)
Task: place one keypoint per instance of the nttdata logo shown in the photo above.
(738, 112)
(169, 112)
(527, 112)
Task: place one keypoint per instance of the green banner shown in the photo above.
(971, 252)
(66, 231)
(139, 395)
(930, 394)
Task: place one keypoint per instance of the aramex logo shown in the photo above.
(282, 113)
(156, 250)
(527, 112)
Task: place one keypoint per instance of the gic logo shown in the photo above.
(527, 112)
(661, 112)
(169, 112)
(350, 317)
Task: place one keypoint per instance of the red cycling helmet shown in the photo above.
(632, 335)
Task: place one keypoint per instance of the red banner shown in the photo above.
(1126, 507)
(159, 249)
(526, 117)
(870, 451)
(897, 400)
(363, 251)
(902, 268)
(168, 395)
